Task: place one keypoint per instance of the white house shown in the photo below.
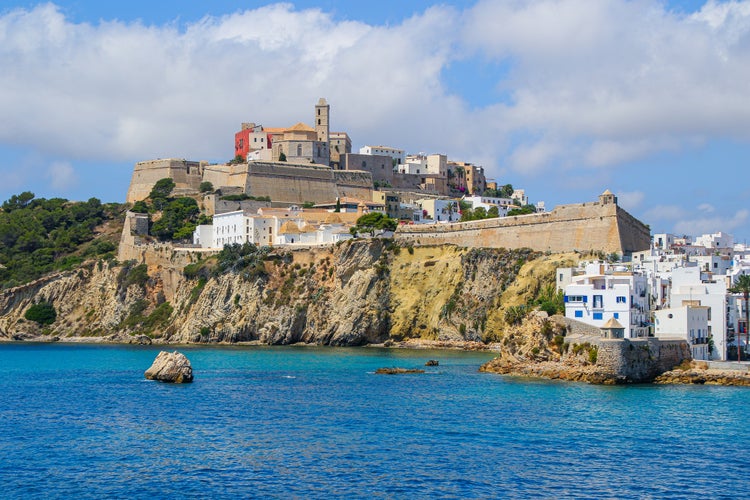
(396, 154)
(441, 210)
(691, 286)
(487, 202)
(605, 292)
(689, 323)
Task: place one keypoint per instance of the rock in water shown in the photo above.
(171, 367)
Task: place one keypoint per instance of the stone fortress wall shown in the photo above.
(592, 226)
(187, 176)
(282, 182)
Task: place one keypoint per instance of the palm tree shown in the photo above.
(742, 285)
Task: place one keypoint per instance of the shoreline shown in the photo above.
(697, 373)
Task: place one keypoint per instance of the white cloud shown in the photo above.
(61, 175)
(706, 207)
(665, 213)
(591, 84)
(703, 225)
(630, 200)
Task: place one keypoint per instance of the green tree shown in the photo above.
(742, 285)
(524, 210)
(493, 212)
(162, 189)
(43, 313)
(374, 221)
(506, 191)
(282, 156)
(18, 201)
(206, 187)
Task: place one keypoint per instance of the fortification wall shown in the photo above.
(290, 183)
(353, 184)
(187, 176)
(583, 227)
(638, 360)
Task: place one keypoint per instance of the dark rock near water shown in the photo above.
(170, 367)
(432, 362)
(397, 371)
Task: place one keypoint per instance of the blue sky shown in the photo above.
(564, 98)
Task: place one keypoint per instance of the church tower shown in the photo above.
(323, 130)
(322, 127)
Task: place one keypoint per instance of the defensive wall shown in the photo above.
(592, 226)
(637, 360)
(282, 182)
(187, 176)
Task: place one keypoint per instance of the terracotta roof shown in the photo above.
(274, 130)
(300, 127)
(289, 227)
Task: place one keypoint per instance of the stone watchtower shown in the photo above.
(607, 198)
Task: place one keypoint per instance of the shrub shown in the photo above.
(205, 187)
(43, 313)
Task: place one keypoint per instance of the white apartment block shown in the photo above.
(604, 292)
(396, 154)
(688, 323)
(690, 286)
(486, 202)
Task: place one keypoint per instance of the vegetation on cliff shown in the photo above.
(39, 235)
(172, 218)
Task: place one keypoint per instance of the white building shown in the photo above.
(691, 286)
(487, 202)
(689, 323)
(440, 210)
(605, 292)
(396, 154)
(715, 240)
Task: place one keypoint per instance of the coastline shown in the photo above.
(694, 373)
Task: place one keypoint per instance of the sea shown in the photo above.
(81, 421)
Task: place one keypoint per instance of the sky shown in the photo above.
(563, 98)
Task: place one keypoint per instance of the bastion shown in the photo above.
(593, 226)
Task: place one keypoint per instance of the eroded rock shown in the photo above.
(170, 367)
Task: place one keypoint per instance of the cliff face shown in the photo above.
(356, 293)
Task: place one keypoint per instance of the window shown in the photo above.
(598, 316)
(579, 314)
(617, 315)
(561, 277)
(299, 149)
(622, 300)
(575, 298)
(598, 301)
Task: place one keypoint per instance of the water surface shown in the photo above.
(80, 421)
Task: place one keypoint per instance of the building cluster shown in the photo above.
(413, 188)
(678, 288)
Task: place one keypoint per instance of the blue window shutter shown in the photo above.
(585, 299)
(579, 314)
(597, 315)
(617, 315)
(565, 298)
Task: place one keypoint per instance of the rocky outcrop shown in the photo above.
(699, 373)
(170, 367)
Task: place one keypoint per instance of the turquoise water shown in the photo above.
(292, 422)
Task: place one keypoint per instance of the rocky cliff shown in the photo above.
(356, 293)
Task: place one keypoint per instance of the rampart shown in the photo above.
(187, 176)
(592, 226)
(280, 181)
(635, 360)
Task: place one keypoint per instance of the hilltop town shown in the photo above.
(301, 186)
